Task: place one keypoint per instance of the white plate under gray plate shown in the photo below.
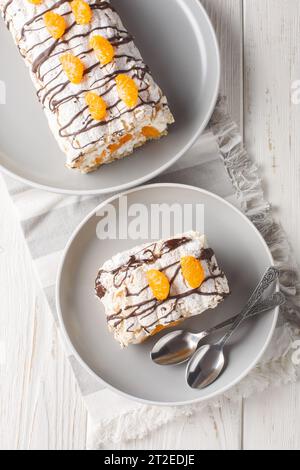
(240, 250)
(177, 40)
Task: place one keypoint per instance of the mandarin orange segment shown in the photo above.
(35, 2)
(127, 90)
(99, 160)
(150, 132)
(82, 12)
(97, 106)
(55, 24)
(157, 329)
(114, 147)
(160, 328)
(104, 50)
(73, 67)
(192, 271)
(159, 284)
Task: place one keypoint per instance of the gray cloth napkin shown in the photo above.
(218, 163)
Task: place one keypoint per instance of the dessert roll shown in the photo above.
(159, 285)
(98, 94)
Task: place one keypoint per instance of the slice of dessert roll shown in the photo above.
(98, 94)
(155, 286)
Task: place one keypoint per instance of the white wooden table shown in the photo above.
(40, 405)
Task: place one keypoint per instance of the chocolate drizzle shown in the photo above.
(147, 307)
(146, 256)
(149, 255)
(4, 13)
(5, 8)
(207, 254)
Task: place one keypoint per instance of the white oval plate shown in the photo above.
(183, 55)
(241, 252)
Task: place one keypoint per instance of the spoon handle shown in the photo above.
(269, 277)
(276, 300)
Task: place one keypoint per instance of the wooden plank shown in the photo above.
(226, 16)
(272, 420)
(272, 65)
(272, 35)
(40, 406)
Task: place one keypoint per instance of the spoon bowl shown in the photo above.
(205, 366)
(175, 348)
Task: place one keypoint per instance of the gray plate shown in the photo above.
(177, 41)
(242, 253)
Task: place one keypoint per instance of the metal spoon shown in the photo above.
(208, 362)
(179, 346)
